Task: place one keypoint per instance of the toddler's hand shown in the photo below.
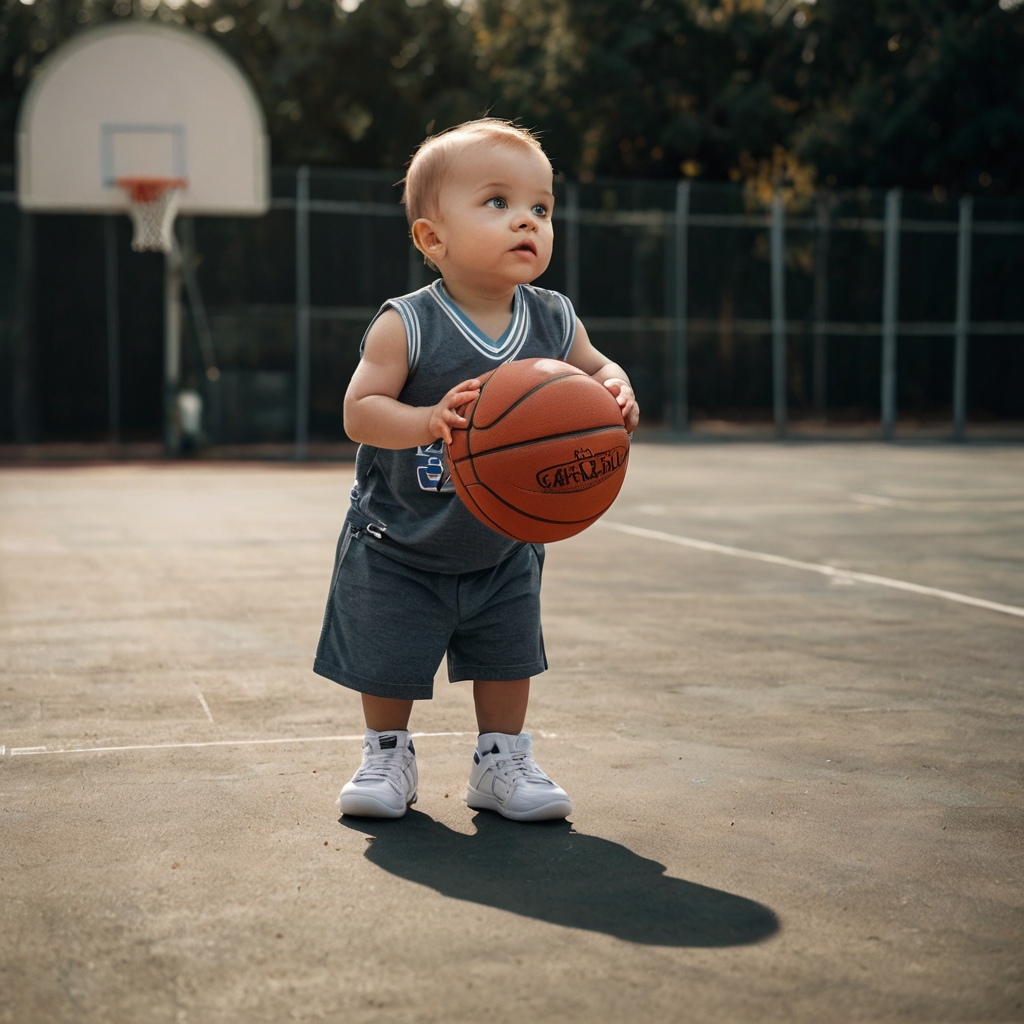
(627, 401)
(445, 414)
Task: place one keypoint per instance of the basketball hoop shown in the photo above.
(152, 206)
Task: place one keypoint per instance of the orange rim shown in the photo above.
(145, 190)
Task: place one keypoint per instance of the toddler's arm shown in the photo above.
(373, 414)
(587, 358)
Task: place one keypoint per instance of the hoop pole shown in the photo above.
(172, 347)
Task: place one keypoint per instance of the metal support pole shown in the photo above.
(572, 242)
(821, 246)
(680, 311)
(890, 310)
(113, 329)
(302, 369)
(778, 276)
(172, 347)
(963, 316)
(196, 305)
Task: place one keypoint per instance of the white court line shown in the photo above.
(824, 570)
(206, 707)
(23, 751)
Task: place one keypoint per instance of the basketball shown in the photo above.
(544, 452)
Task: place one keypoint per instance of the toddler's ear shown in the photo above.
(426, 239)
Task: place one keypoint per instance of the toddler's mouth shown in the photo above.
(526, 247)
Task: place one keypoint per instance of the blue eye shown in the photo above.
(497, 202)
(540, 210)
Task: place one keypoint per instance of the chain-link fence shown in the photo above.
(722, 306)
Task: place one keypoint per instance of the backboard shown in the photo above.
(139, 100)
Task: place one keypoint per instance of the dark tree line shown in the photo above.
(928, 94)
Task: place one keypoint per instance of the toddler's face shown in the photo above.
(495, 214)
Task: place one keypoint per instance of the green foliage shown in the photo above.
(921, 93)
(927, 93)
(355, 89)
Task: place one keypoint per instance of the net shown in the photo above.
(152, 206)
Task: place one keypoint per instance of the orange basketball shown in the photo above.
(544, 453)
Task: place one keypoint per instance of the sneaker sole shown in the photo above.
(357, 805)
(483, 802)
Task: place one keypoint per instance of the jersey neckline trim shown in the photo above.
(504, 348)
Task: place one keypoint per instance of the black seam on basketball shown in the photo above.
(541, 519)
(523, 398)
(537, 440)
(472, 419)
(478, 511)
(495, 526)
(538, 519)
(476, 405)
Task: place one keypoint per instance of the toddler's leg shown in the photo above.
(505, 778)
(501, 705)
(382, 713)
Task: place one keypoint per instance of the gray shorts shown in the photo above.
(387, 625)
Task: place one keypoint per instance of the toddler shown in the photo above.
(416, 574)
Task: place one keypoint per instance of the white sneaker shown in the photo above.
(505, 778)
(385, 784)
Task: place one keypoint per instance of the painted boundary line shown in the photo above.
(822, 570)
(36, 751)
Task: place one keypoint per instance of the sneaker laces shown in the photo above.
(519, 766)
(382, 766)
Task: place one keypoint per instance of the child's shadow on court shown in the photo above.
(550, 872)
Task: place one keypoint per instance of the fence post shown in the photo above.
(680, 311)
(302, 368)
(113, 328)
(821, 246)
(890, 310)
(963, 316)
(778, 276)
(26, 365)
(572, 242)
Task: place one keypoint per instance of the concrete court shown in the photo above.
(797, 799)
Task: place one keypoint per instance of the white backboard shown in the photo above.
(141, 100)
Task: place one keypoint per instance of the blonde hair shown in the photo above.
(430, 162)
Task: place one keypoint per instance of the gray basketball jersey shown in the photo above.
(395, 500)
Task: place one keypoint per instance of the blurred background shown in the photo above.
(755, 199)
